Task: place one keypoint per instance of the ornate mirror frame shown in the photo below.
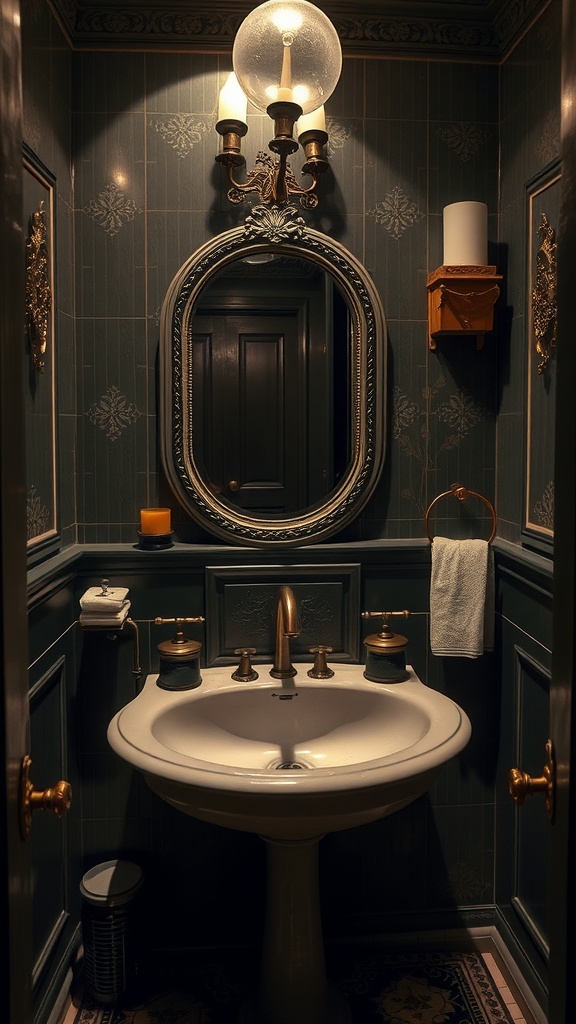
(284, 231)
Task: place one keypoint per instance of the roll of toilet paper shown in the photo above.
(466, 235)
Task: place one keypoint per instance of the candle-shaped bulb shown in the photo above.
(285, 90)
(314, 121)
(233, 103)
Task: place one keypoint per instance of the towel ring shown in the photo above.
(461, 493)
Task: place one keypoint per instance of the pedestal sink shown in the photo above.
(290, 760)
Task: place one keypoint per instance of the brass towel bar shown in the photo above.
(461, 493)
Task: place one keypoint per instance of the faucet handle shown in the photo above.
(245, 673)
(320, 668)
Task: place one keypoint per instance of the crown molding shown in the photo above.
(436, 28)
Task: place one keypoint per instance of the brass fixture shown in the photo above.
(544, 300)
(320, 668)
(179, 657)
(461, 302)
(274, 181)
(287, 625)
(287, 60)
(385, 651)
(179, 645)
(178, 638)
(245, 673)
(136, 669)
(113, 631)
(461, 493)
(57, 798)
(38, 290)
(385, 639)
(521, 785)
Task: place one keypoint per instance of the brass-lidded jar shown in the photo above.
(179, 659)
(385, 651)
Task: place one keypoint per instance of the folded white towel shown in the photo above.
(96, 599)
(112, 619)
(461, 598)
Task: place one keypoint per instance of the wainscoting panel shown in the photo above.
(48, 836)
(532, 847)
(241, 606)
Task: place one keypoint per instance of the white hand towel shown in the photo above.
(113, 619)
(461, 598)
(96, 600)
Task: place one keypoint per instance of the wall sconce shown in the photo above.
(287, 61)
(463, 291)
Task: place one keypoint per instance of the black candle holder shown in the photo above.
(154, 541)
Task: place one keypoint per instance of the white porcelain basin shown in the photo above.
(290, 759)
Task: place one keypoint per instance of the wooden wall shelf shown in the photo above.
(461, 301)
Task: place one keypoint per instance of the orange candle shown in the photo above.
(155, 521)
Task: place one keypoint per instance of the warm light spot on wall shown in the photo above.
(119, 178)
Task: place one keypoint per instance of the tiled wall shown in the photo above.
(406, 138)
(134, 134)
(131, 140)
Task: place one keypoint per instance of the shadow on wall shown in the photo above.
(474, 685)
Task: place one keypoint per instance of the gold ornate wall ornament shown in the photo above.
(38, 290)
(544, 301)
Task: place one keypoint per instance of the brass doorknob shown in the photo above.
(521, 785)
(57, 798)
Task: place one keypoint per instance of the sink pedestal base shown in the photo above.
(293, 984)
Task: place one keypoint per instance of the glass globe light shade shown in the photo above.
(287, 50)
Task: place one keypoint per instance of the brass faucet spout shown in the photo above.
(287, 625)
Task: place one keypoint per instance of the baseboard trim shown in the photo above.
(63, 1003)
(519, 984)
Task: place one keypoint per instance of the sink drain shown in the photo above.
(290, 765)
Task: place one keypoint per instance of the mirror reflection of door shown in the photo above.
(270, 387)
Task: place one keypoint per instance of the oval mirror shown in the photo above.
(272, 366)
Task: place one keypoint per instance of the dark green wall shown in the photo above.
(407, 138)
(130, 140)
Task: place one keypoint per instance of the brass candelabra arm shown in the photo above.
(273, 181)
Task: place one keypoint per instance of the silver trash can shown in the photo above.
(110, 928)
